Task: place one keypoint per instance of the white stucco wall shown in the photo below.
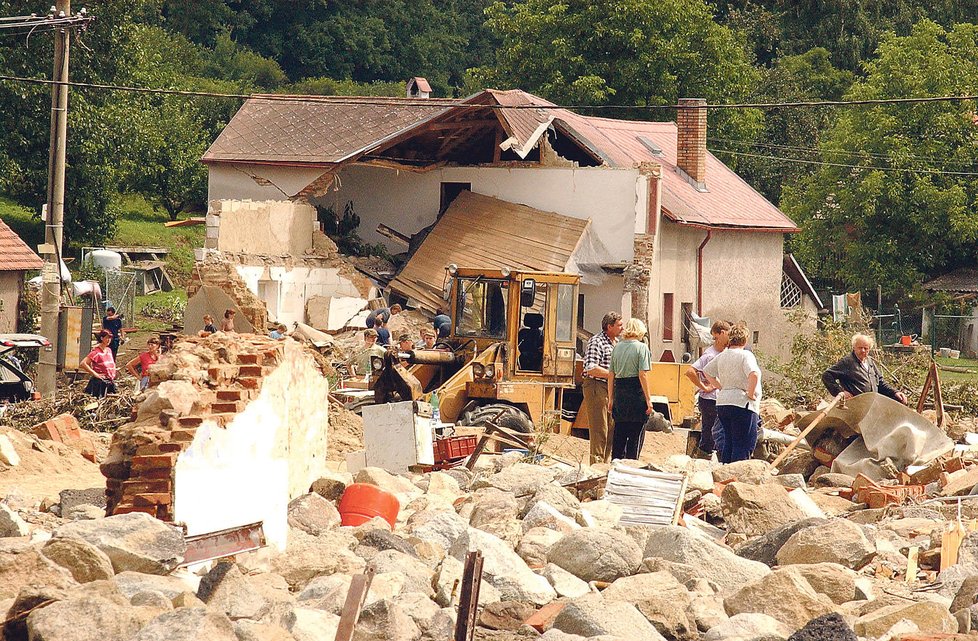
(229, 181)
(268, 455)
(10, 285)
(287, 289)
(741, 281)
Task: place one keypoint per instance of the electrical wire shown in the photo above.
(846, 166)
(457, 104)
(836, 152)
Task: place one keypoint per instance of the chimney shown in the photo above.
(691, 144)
(418, 87)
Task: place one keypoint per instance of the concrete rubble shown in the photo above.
(809, 553)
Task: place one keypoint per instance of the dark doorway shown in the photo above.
(449, 192)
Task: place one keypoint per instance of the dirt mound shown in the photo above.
(345, 432)
(47, 467)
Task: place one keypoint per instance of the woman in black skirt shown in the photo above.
(629, 390)
(101, 365)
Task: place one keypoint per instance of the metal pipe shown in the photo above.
(773, 436)
(699, 272)
(429, 357)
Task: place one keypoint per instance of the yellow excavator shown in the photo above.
(510, 356)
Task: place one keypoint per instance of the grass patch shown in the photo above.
(21, 220)
(959, 377)
(139, 224)
(158, 311)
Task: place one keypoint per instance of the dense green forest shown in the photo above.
(885, 193)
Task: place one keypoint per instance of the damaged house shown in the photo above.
(656, 225)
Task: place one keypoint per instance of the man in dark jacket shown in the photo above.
(856, 373)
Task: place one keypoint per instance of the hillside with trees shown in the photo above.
(885, 193)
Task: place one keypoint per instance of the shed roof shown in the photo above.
(15, 255)
(960, 280)
(482, 232)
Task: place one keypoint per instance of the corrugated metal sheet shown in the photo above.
(15, 255)
(481, 232)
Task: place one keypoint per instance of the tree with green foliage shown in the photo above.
(789, 131)
(634, 52)
(900, 201)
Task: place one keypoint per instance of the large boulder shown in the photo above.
(386, 621)
(836, 541)
(134, 541)
(307, 624)
(132, 583)
(226, 589)
(542, 514)
(503, 568)
(447, 579)
(535, 545)
(765, 548)
(596, 554)
(708, 559)
(564, 583)
(783, 594)
(23, 565)
(928, 616)
(836, 582)
(418, 576)
(750, 471)
(11, 525)
(758, 509)
(443, 528)
(313, 514)
(85, 561)
(187, 624)
(828, 627)
(519, 479)
(307, 557)
(87, 618)
(592, 616)
(558, 497)
(661, 599)
(749, 627)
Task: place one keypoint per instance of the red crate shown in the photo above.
(453, 447)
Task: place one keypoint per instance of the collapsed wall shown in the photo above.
(215, 286)
(234, 427)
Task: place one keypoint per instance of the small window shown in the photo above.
(449, 192)
(667, 317)
(757, 337)
(565, 312)
(790, 292)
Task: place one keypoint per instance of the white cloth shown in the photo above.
(731, 368)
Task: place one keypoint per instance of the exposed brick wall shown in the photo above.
(638, 277)
(226, 372)
(691, 149)
(223, 274)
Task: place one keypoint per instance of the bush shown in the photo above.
(168, 309)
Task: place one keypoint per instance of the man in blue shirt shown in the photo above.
(113, 323)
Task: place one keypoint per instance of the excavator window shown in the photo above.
(529, 340)
(481, 308)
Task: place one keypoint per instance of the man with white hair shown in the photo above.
(856, 373)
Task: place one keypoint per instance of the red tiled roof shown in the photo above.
(15, 255)
(319, 130)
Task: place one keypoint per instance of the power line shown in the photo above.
(846, 166)
(837, 152)
(455, 103)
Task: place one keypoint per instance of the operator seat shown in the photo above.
(529, 341)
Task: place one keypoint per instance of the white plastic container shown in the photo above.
(105, 259)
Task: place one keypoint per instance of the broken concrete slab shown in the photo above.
(332, 313)
(134, 541)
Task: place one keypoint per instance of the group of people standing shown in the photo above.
(729, 382)
(618, 389)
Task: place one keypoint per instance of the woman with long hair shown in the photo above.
(100, 364)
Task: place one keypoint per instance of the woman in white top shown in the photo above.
(735, 374)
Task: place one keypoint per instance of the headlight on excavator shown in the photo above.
(490, 371)
(377, 363)
(478, 370)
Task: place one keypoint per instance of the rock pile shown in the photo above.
(554, 568)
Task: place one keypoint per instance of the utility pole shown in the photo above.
(47, 381)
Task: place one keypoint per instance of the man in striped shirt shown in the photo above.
(597, 357)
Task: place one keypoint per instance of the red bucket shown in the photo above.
(362, 501)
